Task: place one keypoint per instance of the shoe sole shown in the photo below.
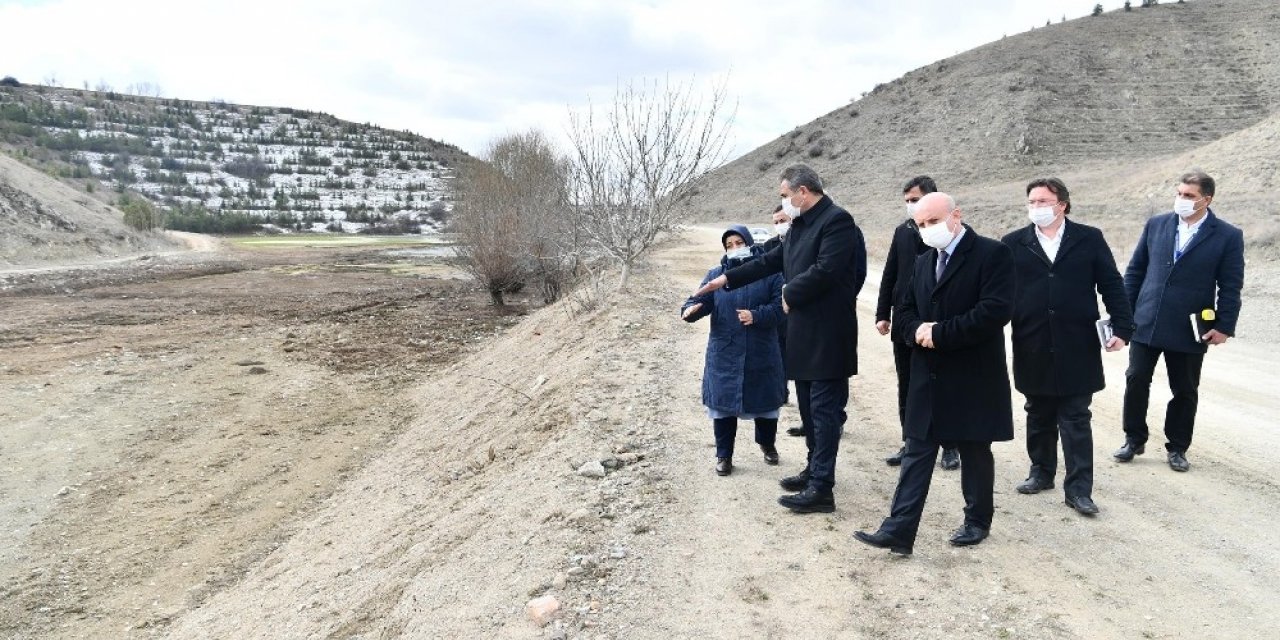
(825, 508)
(966, 543)
(1083, 512)
(1130, 457)
(893, 463)
(893, 548)
(1029, 491)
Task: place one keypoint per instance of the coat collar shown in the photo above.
(958, 256)
(816, 210)
(1207, 228)
(1070, 238)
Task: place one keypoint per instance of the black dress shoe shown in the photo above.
(1178, 461)
(884, 541)
(950, 459)
(1083, 504)
(798, 482)
(968, 535)
(809, 501)
(896, 459)
(1034, 485)
(770, 454)
(1128, 451)
(796, 431)
(724, 466)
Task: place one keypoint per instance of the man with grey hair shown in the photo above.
(824, 261)
(953, 318)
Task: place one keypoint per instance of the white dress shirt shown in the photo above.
(1051, 245)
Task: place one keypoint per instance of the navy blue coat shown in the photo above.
(959, 391)
(1164, 294)
(743, 373)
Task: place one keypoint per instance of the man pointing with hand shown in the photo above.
(824, 261)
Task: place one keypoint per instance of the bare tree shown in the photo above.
(511, 217)
(636, 160)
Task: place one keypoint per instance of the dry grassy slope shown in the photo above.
(1120, 103)
(43, 220)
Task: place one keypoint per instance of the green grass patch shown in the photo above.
(293, 241)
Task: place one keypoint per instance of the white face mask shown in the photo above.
(1183, 207)
(781, 228)
(937, 236)
(911, 209)
(1042, 216)
(738, 254)
(790, 209)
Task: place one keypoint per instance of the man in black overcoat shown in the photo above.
(960, 299)
(824, 261)
(1062, 267)
(1186, 261)
(905, 247)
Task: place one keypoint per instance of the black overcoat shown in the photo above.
(1165, 293)
(1056, 350)
(823, 259)
(905, 247)
(959, 390)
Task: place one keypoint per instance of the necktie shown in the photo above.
(942, 265)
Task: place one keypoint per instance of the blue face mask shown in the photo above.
(738, 254)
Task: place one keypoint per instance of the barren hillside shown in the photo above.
(1118, 104)
(43, 220)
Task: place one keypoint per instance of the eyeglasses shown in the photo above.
(1041, 203)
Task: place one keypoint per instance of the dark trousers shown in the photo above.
(727, 431)
(822, 404)
(902, 364)
(1070, 415)
(1184, 381)
(977, 483)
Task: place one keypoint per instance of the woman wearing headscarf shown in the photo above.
(743, 376)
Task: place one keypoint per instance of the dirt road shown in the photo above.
(569, 457)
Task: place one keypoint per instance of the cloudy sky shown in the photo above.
(465, 72)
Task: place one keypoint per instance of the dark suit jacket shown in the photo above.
(1164, 294)
(1056, 351)
(905, 247)
(960, 389)
(824, 261)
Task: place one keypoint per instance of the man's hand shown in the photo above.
(692, 309)
(1115, 344)
(1214, 337)
(883, 327)
(745, 317)
(716, 283)
(924, 335)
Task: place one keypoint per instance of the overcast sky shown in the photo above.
(465, 72)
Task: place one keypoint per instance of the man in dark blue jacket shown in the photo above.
(824, 261)
(1186, 262)
(905, 247)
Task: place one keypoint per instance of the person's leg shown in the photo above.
(912, 491)
(902, 365)
(804, 394)
(1076, 421)
(766, 432)
(1042, 438)
(726, 430)
(1137, 391)
(977, 483)
(1184, 382)
(827, 403)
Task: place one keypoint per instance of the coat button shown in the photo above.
(933, 376)
(1050, 274)
(1051, 312)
